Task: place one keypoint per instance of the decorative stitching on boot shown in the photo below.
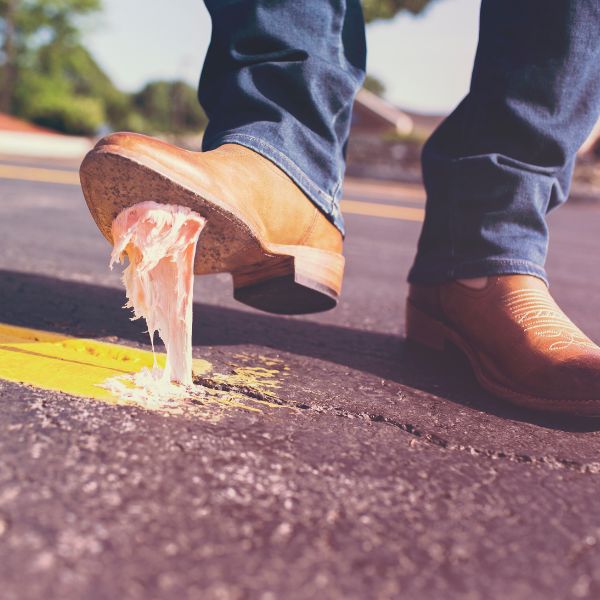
(535, 311)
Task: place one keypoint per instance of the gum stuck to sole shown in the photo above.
(282, 279)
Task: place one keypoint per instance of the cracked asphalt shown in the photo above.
(366, 468)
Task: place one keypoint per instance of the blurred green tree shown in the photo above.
(386, 9)
(27, 25)
(170, 106)
(39, 55)
(374, 85)
(8, 50)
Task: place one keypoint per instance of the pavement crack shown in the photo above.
(244, 390)
(548, 461)
(432, 439)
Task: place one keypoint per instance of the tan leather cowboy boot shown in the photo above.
(283, 253)
(521, 345)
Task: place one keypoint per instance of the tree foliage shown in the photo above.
(374, 85)
(48, 77)
(26, 25)
(386, 9)
(170, 107)
(40, 42)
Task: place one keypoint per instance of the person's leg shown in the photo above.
(278, 87)
(280, 78)
(504, 157)
(492, 171)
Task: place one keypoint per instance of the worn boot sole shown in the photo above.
(283, 279)
(425, 330)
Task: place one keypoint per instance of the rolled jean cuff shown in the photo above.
(434, 274)
(328, 204)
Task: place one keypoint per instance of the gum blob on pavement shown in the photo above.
(160, 243)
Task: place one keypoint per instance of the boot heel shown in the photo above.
(297, 280)
(423, 329)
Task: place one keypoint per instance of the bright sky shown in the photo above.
(425, 62)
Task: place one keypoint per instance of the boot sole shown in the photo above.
(427, 331)
(281, 279)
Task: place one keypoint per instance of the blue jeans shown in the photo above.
(280, 78)
(505, 156)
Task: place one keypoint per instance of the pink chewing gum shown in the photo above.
(160, 242)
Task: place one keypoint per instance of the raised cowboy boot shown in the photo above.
(283, 253)
(520, 344)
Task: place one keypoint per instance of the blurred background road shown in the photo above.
(375, 470)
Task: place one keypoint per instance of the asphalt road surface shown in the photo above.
(338, 461)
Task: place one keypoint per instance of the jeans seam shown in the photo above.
(448, 273)
(508, 261)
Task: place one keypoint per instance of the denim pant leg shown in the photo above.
(280, 78)
(505, 156)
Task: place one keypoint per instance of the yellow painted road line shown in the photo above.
(387, 211)
(354, 207)
(75, 366)
(399, 192)
(38, 174)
